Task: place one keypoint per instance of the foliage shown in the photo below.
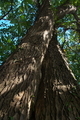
(69, 40)
(17, 16)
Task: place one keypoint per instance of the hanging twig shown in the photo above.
(6, 13)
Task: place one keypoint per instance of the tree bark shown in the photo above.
(35, 81)
(20, 74)
(58, 98)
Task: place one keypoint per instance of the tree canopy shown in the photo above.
(17, 16)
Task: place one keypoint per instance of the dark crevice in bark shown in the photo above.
(39, 104)
(40, 96)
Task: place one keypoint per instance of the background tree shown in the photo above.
(36, 82)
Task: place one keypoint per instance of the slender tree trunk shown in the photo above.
(35, 81)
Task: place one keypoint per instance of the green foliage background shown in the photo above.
(17, 16)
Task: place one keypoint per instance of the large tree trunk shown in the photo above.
(35, 81)
(57, 98)
(20, 74)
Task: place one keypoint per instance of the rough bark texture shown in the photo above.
(58, 98)
(35, 81)
(20, 74)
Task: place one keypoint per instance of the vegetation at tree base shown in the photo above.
(36, 82)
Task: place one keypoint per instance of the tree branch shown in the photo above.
(6, 13)
(69, 9)
(65, 9)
